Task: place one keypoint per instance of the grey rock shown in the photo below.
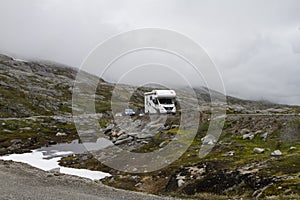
(134, 134)
(229, 153)
(107, 131)
(180, 182)
(112, 180)
(258, 150)
(113, 133)
(138, 184)
(129, 139)
(209, 140)
(16, 141)
(26, 129)
(175, 126)
(60, 134)
(144, 135)
(14, 147)
(276, 153)
(122, 137)
(55, 170)
(121, 132)
(249, 136)
(163, 144)
(258, 132)
(7, 131)
(52, 142)
(244, 131)
(264, 136)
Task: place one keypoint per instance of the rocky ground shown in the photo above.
(257, 155)
(20, 181)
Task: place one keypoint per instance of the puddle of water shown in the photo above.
(46, 158)
(75, 147)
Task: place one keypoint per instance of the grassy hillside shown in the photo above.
(36, 105)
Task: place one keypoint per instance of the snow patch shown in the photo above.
(39, 160)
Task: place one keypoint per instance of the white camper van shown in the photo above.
(160, 101)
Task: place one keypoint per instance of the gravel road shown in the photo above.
(20, 181)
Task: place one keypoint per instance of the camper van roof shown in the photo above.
(163, 93)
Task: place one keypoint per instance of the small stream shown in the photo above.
(46, 158)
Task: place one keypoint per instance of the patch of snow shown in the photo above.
(39, 160)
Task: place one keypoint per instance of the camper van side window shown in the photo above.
(155, 101)
(150, 98)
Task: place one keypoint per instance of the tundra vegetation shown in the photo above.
(256, 156)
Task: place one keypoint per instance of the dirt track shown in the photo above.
(20, 181)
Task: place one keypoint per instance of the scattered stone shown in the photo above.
(122, 137)
(264, 136)
(249, 136)
(293, 148)
(16, 141)
(55, 170)
(107, 131)
(14, 147)
(175, 126)
(3, 124)
(123, 141)
(138, 184)
(112, 133)
(276, 153)
(180, 182)
(112, 180)
(245, 131)
(208, 139)
(133, 134)
(26, 129)
(258, 150)
(144, 135)
(163, 144)
(7, 131)
(122, 132)
(258, 132)
(60, 134)
(229, 153)
(52, 142)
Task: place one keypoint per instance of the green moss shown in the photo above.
(284, 187)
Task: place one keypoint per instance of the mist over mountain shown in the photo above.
(255, 44)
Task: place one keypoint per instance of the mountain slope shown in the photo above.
(36, 107)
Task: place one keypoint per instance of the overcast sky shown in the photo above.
(255, 44)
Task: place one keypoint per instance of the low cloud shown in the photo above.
(255, 44)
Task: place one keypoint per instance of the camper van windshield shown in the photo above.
(165, 101)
